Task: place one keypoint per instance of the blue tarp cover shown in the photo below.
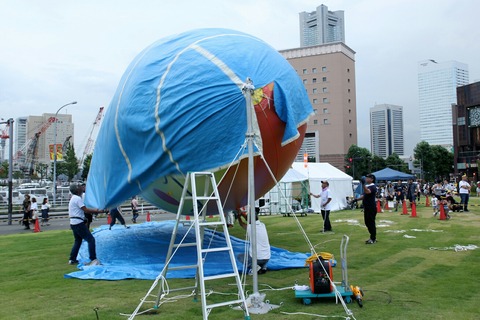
(179, 107)
(140, 253)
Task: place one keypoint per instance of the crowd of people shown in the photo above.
(443, 190)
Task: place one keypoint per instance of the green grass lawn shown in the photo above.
(402, 278)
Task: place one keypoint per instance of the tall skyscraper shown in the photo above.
(321, 27)
(386, 130)
(20, 139)
(328, 73)
(437, 85)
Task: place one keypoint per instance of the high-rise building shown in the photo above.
(437, 84)
(321, 27)
(386, 130)
(46, 122)
(328, 73)
(20, 139)
(466, 130)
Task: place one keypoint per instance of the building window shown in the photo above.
(304, 81)
(314, 70)
(324, 79)
(349, 110)
(314, 90)
(348, 100)
(315, 101)
(315, 121)
(325, 100)
(324, 69)
(325, 110)
(304, 71)
(350, 121)
(325, 90)
(350, 135)
(348, 90)
(315, 111)
(314, 80)
(348, 80)
(325, 121)
(348, 69)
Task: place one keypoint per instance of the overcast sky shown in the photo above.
(57, 51)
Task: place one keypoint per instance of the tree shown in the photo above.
(358, 161)
(443, 161)
(86, 166)
(378, 163)
(71, 163)
(393, 161)
(436, 162)
(4, 170)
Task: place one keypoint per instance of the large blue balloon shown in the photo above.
(179, 107)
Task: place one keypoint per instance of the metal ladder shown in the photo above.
(210, 193)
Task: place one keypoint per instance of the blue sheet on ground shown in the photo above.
(140, 252)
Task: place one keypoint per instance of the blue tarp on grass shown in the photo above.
(140, 251)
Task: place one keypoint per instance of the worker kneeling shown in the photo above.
(263, 244)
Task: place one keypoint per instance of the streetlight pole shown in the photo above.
(55, 152)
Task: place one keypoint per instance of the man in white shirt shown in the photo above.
(464, 190)
(326, 205)
(76, 213)
(263, 244)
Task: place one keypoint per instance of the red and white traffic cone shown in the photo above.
(443, 216)
(37, 226)
(404, 205)
(414, 211)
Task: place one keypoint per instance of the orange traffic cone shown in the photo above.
(405, 211)
(379, 206)
(414, 211)
(148, 216)
(109, 218)
(443, 216)
(37, 226)
(427, 201)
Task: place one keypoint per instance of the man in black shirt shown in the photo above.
(399, 194)
(369, 206)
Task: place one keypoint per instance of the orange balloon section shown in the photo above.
(279, 158)
(233, 182)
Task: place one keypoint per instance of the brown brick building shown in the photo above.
(466, 130)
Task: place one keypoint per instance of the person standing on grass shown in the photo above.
(116, 213)
(134, 205)
(464, 191)
(369, 206)
(76, 213)
(326, 205)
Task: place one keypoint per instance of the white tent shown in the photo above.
(280, 197)
(340, 183)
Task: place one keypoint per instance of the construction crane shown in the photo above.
(30, 148)
(90, 140)
(3, 136)
(66, 145)
(42, 128)
(31, 157)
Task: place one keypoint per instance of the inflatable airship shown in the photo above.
(180, 108)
